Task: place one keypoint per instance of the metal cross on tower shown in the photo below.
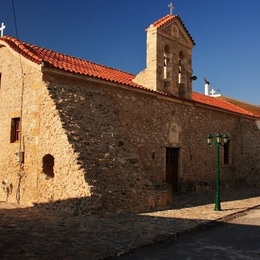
(171, 8)
(2, 29)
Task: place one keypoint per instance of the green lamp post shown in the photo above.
(220, 140)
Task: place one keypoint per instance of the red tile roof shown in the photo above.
(75, 65)
(218, 103)
(168, 19)
(40, 55)
(165, 20)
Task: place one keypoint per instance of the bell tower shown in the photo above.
(169, 58)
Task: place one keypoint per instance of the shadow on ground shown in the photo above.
(40, 233)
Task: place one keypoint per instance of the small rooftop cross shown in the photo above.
(2, 29)
(213, 92)
(171, 8)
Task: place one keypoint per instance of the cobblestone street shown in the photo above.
(34, 233)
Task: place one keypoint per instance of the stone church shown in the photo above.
(84, 138)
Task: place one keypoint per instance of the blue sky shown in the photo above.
(112, 33)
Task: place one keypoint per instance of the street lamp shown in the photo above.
(220, 140)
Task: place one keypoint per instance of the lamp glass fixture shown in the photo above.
(218, 138)
(225, 138)
(209, 139)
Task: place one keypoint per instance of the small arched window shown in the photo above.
(47, 165)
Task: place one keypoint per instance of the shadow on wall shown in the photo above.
(111, 165)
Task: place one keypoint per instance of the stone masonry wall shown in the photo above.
(121, 138)
(111, 166)
(154, 123)
(92, 170)
(18, 181)
(249, 153)
(97, 148)
(23, 94)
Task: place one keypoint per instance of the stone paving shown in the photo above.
(34, 233)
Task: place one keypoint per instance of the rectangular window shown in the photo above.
(226, 160)
(15, 129)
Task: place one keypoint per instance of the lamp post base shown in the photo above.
(217, 206)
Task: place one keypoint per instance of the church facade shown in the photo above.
(84, 138)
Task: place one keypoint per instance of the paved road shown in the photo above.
(235, 239)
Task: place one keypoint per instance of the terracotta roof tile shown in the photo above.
(218, 103)
(164, 20)
(75, 65)
(169, 18)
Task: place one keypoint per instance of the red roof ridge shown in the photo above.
(164, 20)
(169, 18)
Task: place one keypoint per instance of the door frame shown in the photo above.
(172, 167)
